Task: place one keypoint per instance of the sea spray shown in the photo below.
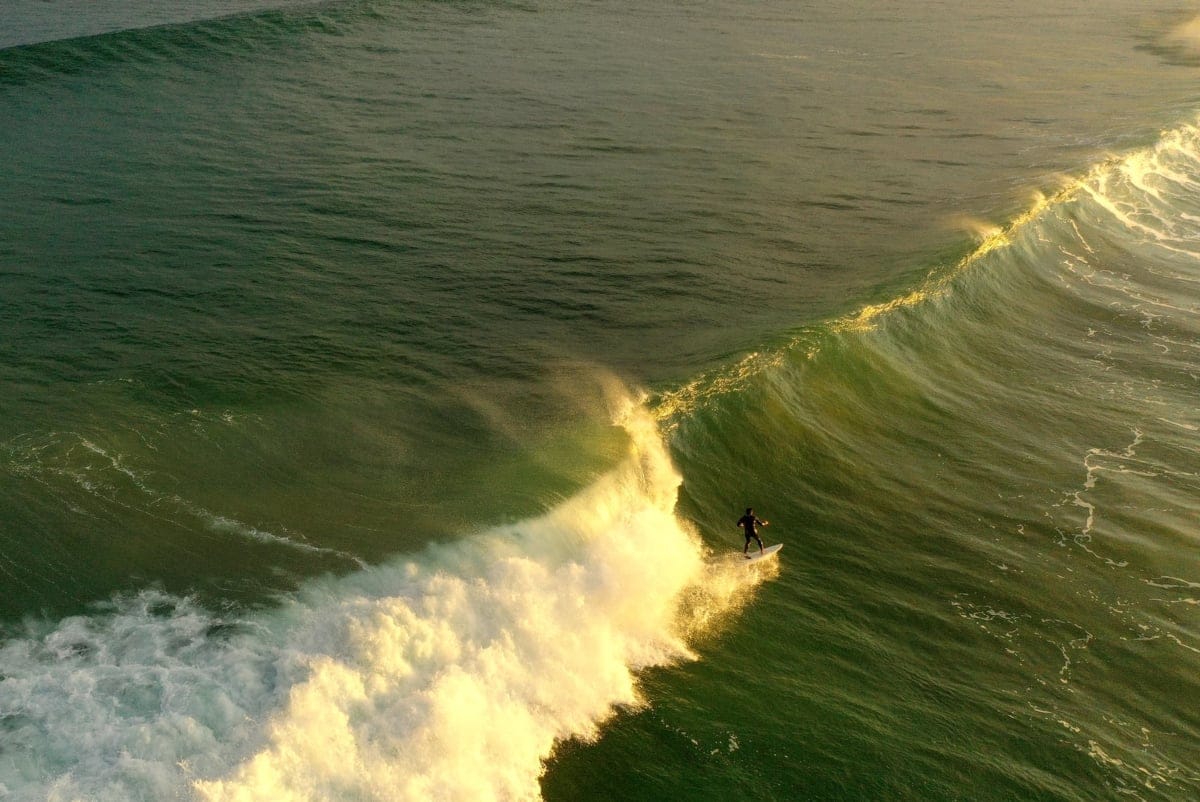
(450, 675)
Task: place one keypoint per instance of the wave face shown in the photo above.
(994, 473)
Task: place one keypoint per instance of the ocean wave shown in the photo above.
(1144, 198)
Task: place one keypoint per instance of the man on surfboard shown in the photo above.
(748, 522)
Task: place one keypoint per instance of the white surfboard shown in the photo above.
(769, 551)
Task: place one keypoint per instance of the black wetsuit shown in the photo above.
(748, 522)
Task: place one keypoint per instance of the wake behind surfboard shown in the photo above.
(766, 553)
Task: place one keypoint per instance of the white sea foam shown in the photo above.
(1150, 191)
(447, 676)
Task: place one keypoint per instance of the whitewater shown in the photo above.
(445, 675)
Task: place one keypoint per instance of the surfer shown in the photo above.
(748, 522)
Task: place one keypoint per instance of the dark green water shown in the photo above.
(381, 382)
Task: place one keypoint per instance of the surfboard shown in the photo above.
(755, 556)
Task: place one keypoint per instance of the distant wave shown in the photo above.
(241, 29)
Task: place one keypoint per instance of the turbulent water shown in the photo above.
(381, 383)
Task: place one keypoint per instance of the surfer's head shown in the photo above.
(749, 510)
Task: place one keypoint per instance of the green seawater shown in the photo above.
(381, 381)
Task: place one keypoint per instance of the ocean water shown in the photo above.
(380, 383)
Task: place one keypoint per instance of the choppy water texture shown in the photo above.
(381, 382)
